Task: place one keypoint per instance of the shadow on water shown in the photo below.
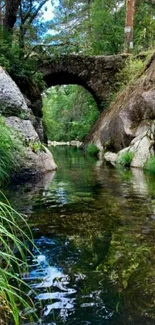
(94, 226)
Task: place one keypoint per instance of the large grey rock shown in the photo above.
(130, 115)
(41, 161)
(38, 125)
(142, 148)
(34, 162)
(110, 157)
(12, 102)
(25, 127)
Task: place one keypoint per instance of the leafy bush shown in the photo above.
(132, 70)
(20, 68)
(150, 165)
(36, 146)
(12, 237)
(11, 150)
(92, 150)
(125, 159)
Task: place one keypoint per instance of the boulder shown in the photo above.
(129, 116)
(12, 102)
(110, 157)
(25, 127)
(142, 148)
(20, 118)
(39, 162)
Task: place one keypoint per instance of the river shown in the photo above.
(94, 226)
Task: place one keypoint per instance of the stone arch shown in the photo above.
(97, 74)
(65, 78)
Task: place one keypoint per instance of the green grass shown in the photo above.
(92, 149)
(125, 159)
(150, 165)
(13, 297)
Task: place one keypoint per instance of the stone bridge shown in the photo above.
(97, 74)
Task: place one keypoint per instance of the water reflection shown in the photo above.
(94, 226)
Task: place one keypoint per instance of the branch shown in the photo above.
(28, 13)
(37, 11)
(45, 46)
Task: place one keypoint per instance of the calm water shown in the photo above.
(94, 227)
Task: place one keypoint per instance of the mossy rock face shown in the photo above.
(12, 102)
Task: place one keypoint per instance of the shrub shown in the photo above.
(150, 165)
(125, 159)
(92, 149)
(130, 73)
(36, 146)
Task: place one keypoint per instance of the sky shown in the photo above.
(48, 15)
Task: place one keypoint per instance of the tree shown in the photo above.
(107, 26)
(71, 26)
(144, 26)
(130, 8)
(10, 16)
(29, 12)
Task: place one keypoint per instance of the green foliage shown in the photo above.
(108, 18)
(19, 68)
(130, 73)
(144, 26)
(36, 146)
(92, 149)
(11, 150)
(125, 159)
(69, 112)
(12, 287)
(150, 165)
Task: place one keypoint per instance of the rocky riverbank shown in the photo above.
(37, 159)
(128, 125)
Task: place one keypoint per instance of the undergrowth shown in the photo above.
(92, 149)
(125, 159)
(133, 69)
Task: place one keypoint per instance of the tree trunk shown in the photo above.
(130, 9)
(11, 8)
